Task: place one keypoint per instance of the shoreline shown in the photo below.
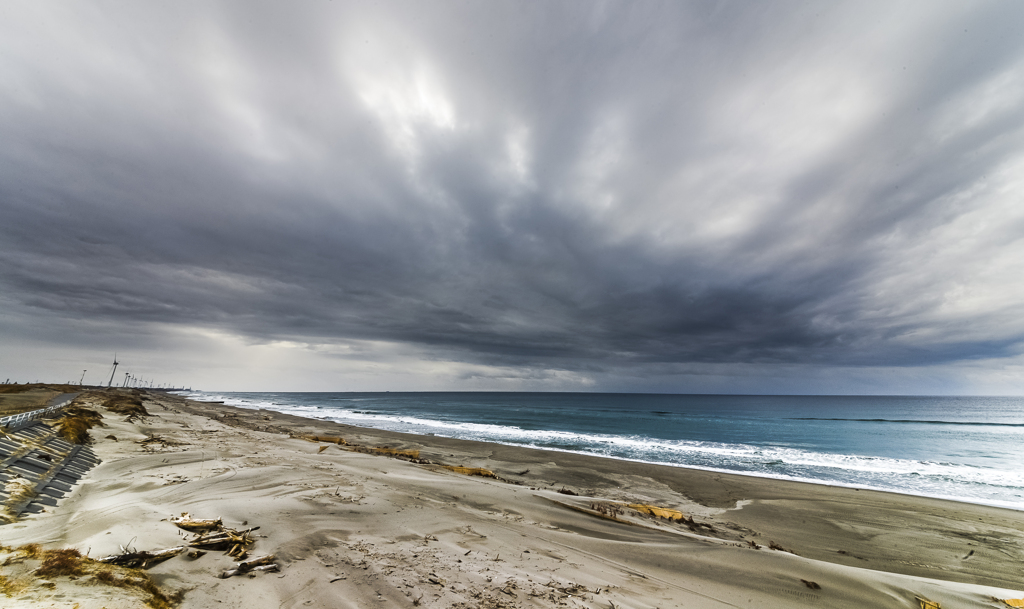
(780, 478)
(1018, 506)
(714, 490)
(355, 529)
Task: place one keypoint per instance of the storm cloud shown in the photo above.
(569, 194)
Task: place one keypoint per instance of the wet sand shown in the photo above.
(361, 530)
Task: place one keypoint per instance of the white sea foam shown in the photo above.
(686, 452)
(929, 478)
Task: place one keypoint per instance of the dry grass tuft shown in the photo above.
(30, 550)
(10, 587)
(74, 426)
(658, 512)
(120, 577)
(394, 452)
(471, 471)
(128, 405)
(67, 561)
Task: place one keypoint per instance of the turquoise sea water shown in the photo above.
(965, 448)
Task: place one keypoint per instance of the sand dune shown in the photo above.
(361, 530)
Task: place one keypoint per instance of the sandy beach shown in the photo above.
(551, 529)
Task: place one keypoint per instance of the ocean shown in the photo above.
(964, 448)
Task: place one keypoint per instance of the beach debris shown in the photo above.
(194, 554)
(238, 552)
(811, 585)
(658, 512)
(845, 553)
(408, 455)
(566, 491)
(322, 449)
(522, 473)
(568, 589)
(324, 439)
(81, 571)
(150, 440)
(693, 525)
(774, 546)
(143, 559)
(753, 544)
(187, 522)
(436, 579)
(1014, 602)
(610, 510)
(226, 539)
(927, 604)
(471, 471)
(263, 563)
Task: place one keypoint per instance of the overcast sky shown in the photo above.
(734, 197)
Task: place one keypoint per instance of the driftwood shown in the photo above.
(223, 540)
(141, 559)
(187, 522)
(239, 551)
(263, 563)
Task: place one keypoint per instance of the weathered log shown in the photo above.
(251, 565)
(187, 522)
(142, 559)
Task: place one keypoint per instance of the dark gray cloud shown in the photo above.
(612, 190)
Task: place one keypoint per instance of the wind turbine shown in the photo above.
(114, 369)
(83, 377)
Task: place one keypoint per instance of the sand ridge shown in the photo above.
(360, 530)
